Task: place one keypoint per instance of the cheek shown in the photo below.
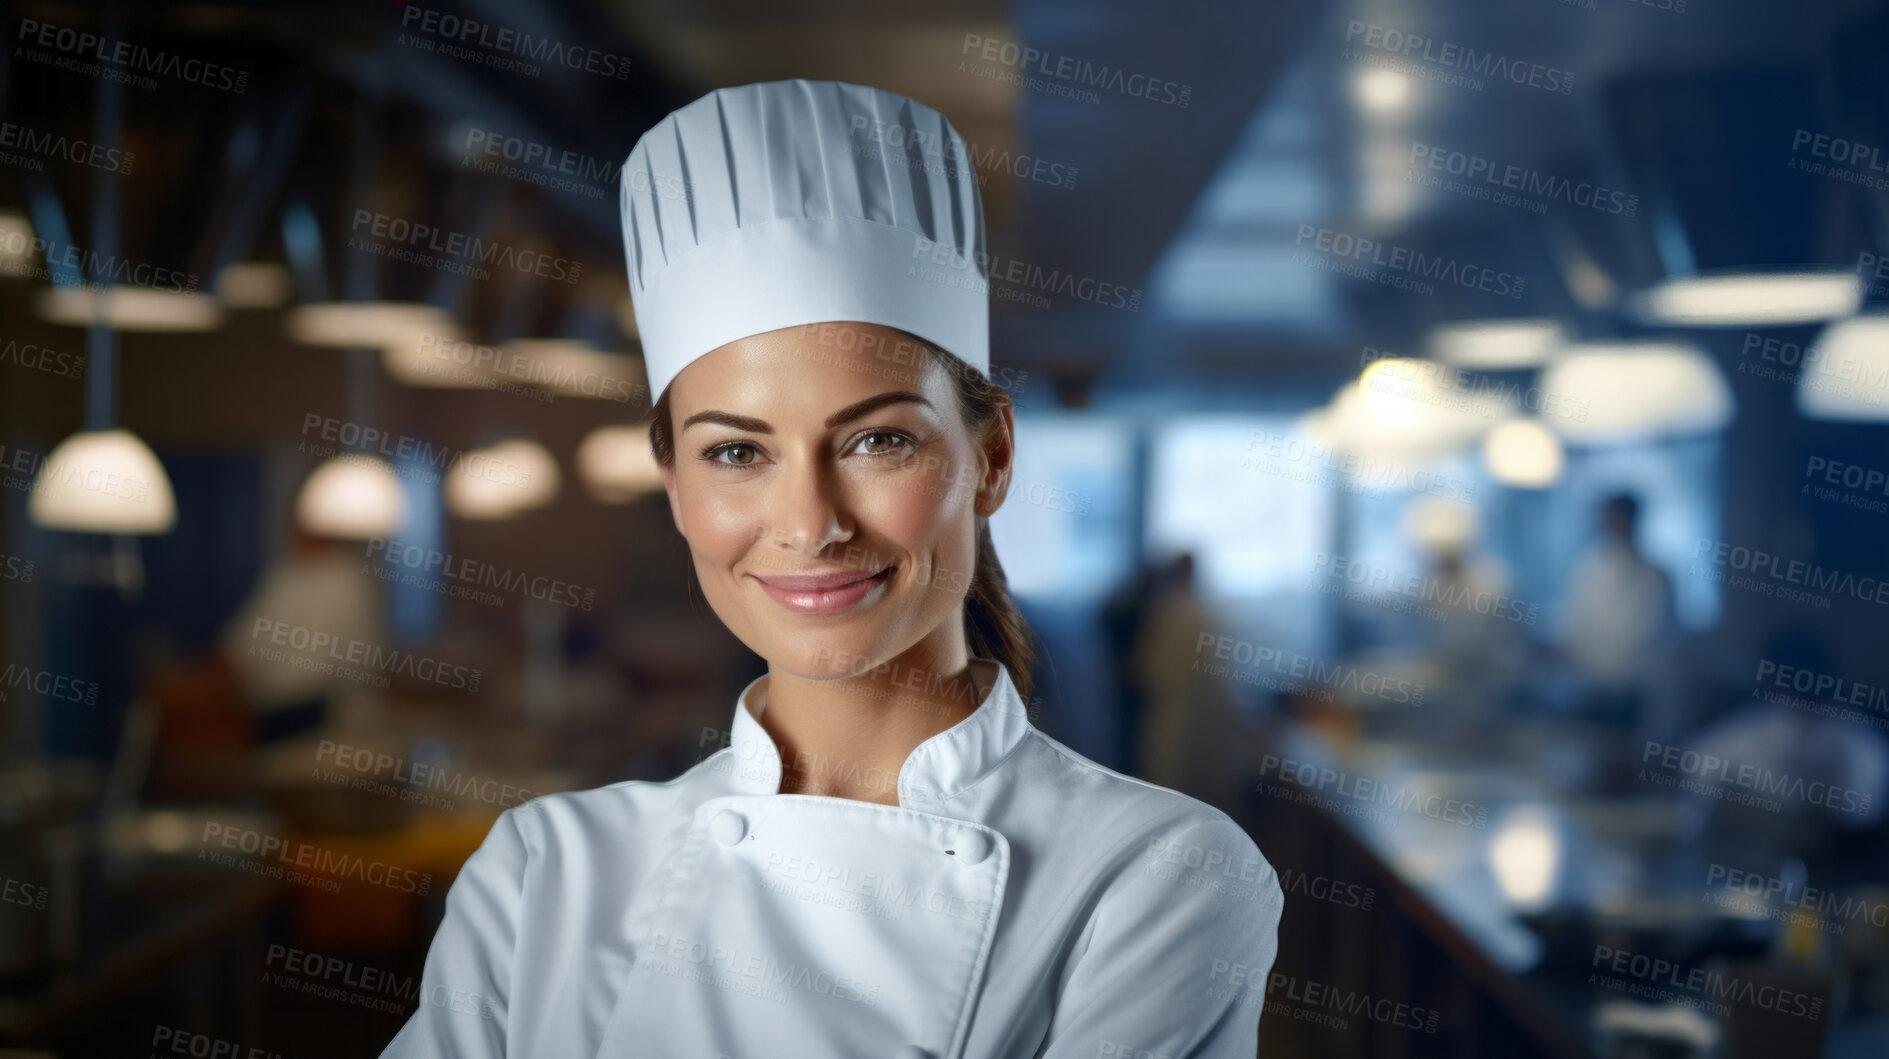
(923, 508)
(934, 521)
(721, 526)
(721, 531)
(902, 513)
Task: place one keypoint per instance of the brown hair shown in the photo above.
(993, 625)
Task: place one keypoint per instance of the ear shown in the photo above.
(998, 459)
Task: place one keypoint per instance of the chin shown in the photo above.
(813, 652)
(818, 657)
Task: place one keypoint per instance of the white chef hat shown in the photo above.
(795, 202)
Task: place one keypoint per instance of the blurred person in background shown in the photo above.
(1123, 615)
(1188, 718)
(1619, 621)
(255, 687)
(1812, 778)
(317, 587)
(1477, 648)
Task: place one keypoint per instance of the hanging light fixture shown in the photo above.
(1637, 390)
(16, 242)
(357, 494)
(1750, 299)
(617, 465)
(103, 479)
(1521, 452)
(357, 324)
(130, 308)
(479, 497)
(1844, 375)
(351, 497)
(439, 356)
(1496, 344)
(1525, 856)
(254, 285)
(1380, 91)
(502, 481)
(1405, 408)
(540, 479)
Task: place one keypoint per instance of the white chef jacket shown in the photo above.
(1020, 900)
(1619, 608)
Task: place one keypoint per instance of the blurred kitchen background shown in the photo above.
(1453, 440)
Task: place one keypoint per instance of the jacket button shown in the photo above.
(913, 1051)
(728, 827)
(971, 847)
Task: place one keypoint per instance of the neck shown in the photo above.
(848, 736)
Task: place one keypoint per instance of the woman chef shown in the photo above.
(887, 860)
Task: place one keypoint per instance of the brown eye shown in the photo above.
(714, 455)
(884, 443)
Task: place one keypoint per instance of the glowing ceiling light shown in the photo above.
(436, 356)
(253, 285)
(1403, 407)
(475, 496)
(1845, 374)
(16, 241)
(1496, 344)
(1750, 299)
(1632, 390)
(130, 308)
(353, 496)
(1525, 857)
(502, 481)
(541, 480)
(349, 325)
(1381, 91)
(617, 465)
(103, 481)
(1523, 453)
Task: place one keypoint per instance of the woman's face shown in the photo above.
(828, 489)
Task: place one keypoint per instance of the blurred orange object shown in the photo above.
(204, 734)
(366, 890)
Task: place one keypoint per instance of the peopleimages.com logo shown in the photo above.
(1429, 57)
(505, 48)
(1513, 185)
(56, 145)
(1067, 75)
(1397, 266)
(272, 856)
(47, 684)
(1744, 783)
(119, 60)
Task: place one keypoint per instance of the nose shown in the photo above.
(806, 509)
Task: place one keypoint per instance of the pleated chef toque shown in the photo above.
(795, 202)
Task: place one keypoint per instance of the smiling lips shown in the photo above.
(823, 593)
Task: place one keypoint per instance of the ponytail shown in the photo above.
(993, 626)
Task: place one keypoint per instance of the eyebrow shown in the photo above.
(850, 412)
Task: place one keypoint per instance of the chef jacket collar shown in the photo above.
(937, 769)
